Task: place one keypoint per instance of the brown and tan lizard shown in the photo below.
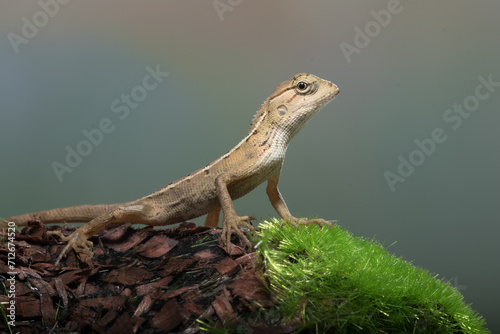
(257, 158)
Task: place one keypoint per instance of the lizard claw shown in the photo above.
(304, 221)
(233, 224)
(75, 241)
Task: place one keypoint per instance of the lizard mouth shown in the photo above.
(332, 94)
(322, 101)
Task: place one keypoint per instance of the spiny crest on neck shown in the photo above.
(259, 115)
(262, 112)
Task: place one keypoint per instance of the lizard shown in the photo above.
(258, 157)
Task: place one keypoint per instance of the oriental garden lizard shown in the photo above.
(255, 159)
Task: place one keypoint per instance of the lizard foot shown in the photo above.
(304, 221)
(79, 243)
(233, 224)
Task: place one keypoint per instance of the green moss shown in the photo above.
(334, 282)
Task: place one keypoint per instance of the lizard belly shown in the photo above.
(269, 165)
(181, 203)
(244, 185)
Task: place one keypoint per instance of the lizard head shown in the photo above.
(294, 103)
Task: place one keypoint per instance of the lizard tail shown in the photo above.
(73, 214)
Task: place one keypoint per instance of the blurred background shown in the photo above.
(406, 70)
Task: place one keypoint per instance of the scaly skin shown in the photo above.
(257, 158)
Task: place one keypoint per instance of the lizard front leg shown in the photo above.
(212, 219)
(280, 206)
(231, 220)
(78, 240)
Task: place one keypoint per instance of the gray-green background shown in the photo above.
(394, 90)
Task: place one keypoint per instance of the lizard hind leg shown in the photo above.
(75, 241)
(78, 240)
(212, 219)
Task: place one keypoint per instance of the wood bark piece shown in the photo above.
(157, 246)
(126, 293)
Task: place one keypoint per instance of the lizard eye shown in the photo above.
(302, 87)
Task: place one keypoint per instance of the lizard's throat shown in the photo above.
(295, 125)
